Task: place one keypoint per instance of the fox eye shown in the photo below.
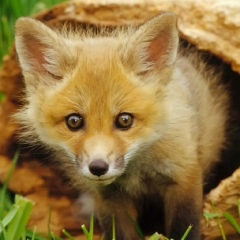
(124, 121)
(74, 122)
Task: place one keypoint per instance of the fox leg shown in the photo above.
(124, 214)
(183, 207)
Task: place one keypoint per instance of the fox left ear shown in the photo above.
(153, 46)
(44, 55)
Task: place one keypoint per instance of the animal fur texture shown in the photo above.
(130, 118)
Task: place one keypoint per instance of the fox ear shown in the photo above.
(41, 51)
(153, 46)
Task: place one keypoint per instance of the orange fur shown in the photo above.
(179, 115)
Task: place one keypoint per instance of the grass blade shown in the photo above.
(34, 232)
(16, 227)
(4, 232)
(85, 231)
(218, 222)
(50, 233)
(113, 228)
(52, 236)
(208, 216)
(67, 234)
(233, 222)
(30, 235)
(155, 236)
(91, 227)
(8, 218)
(221, 230)
(2, 95)
(3, 191)
(7, 35)
(187, 232)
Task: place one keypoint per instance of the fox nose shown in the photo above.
(98, 167)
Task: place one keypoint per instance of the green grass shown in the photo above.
(13, 225)
(14, 215)
(5, 197)
(156, 236)
(10, 10)
(89, 233)
(215, 215)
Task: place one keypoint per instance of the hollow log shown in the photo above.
(210, 25)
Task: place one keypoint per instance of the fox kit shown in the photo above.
(129, 117)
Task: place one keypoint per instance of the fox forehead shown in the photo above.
(99, 94)
(100, 85)
(99, 88)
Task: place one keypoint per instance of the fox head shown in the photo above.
(97, 100)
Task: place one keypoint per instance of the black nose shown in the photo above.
(98, 167)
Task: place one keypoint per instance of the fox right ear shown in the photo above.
(41, 51)
(153, 46)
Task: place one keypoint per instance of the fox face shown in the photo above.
(100, 121)
(96, 99)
